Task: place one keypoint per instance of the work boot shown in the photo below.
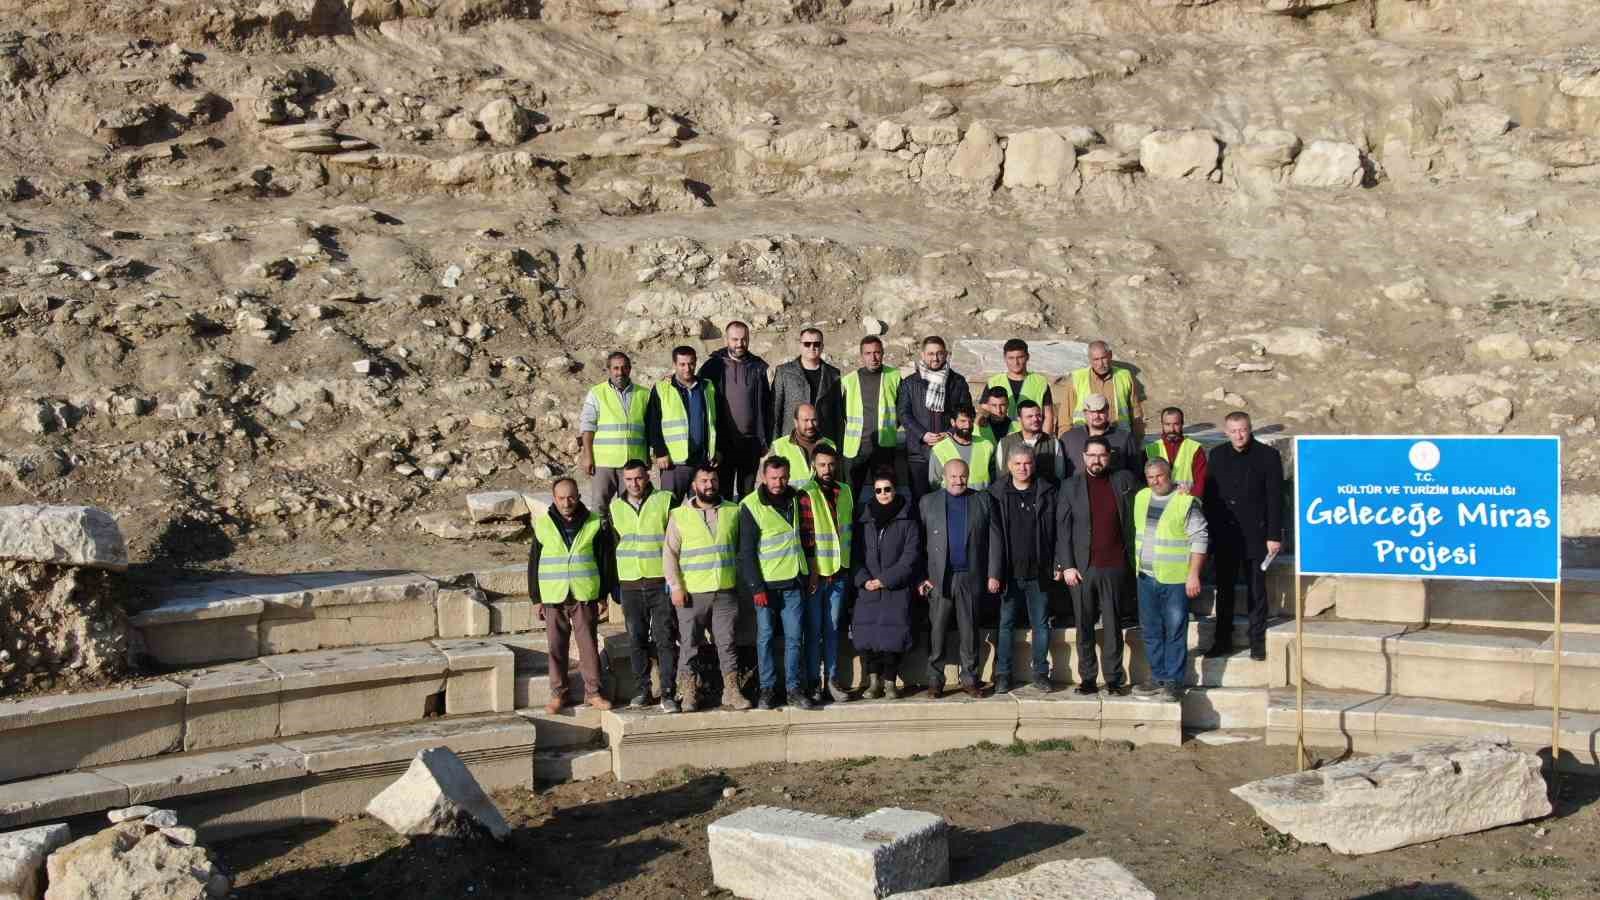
(840, 689)
(801, 701)
(669, 704)
(1217, 649)
(687, 694)
(1259, 654)
(640, 700)
(973, 689)
(888, 689)
(1146, 689)
(1002, 684)
(732, 697)
(1041, 683)
(769, 699)
(874, 687)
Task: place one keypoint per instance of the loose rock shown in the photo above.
(438, 796)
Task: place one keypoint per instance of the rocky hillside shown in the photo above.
(299, 270)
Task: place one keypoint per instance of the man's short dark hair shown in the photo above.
(634, 465)
(1014, 345)
(964, 409)
(1026, 403)
(872, 339)
(935, 340)
(811, 329)
(615, 355)
(683, 350)
(1097, 440)
(1172, 411)
(775, 462)
(825, 450)
(735, 324)
(565, 478)
(996, 392)
(706, 468)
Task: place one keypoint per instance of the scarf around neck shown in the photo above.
(933, 399)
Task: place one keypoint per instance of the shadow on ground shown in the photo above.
(975, 854)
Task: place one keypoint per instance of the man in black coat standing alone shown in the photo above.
(1244, 508)
(1094, 537)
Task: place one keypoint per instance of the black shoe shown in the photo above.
(1172, 692)
(1148, 689)
(801, 701)
(1043, 684)
(821, 697)
(769, 699)
(640, 700)
(1259, 654)
(1087, 689)
(1117, 690)
(841, 692)
(1218, 649)
(1002, 684)
(670, 705)
(973, 689)
(936, 689)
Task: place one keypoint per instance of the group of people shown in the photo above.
(885, 503)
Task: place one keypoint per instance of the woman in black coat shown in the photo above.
(890, 541)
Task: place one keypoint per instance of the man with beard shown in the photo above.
(681, 423)
(639, 527)
(1184, 454)
(611, 430)
(568, 566)
(744, 405)
(698, 560)
(962, 444)
(871, 421)
(1093, 536)
(827, 507)
(1049, 462)
(772, 566)
(923, 404)
(994, 421)
(1115, 382)
(800, 444)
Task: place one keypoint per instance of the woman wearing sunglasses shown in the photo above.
(886, 580)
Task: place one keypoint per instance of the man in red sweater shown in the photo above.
(1184, 454)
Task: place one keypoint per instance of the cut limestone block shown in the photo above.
(503, 581)
(463, 612)
(1580, 672)
(1072, 879)
(58, 797)
(765, 852)
(1467, 666)
(573, 726)
(132, 860)
(511, 616)
(1344, 656)
(644, 743)
(496, 506)
(204, 626)
(438, 796)
(1061, 715)
(479, 678)
(1219, 707)
(532, 691)
(1382, 802)
(222, 793)
(66, 731)
(351, 625)
(1340, 719)
(22, 856)
(230, 704)
(62, 535)
(531, 650)
(571, 765)
(1381, 599)
(357, 687)
(1141, 721)
(898, 729)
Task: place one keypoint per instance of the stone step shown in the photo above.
(279, 784)
(1484, 604)
(1439, 662)
(571, 765)
(257, 700)
(1361, 722)
(572, 727)
(644, 743)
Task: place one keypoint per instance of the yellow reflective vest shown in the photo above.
(675, 421)
(707, 560)
(800, 474)
(979, 468)
(1171, 537)
(779, 552)
(885, 419)
(640, 535)
(1183, 466)
(1121, 401)
(567, 570)
(1033, 388)
(619, 434)
(833, 543)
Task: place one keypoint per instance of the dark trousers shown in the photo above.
(738, 471)
(953, 600)
(1228, 563)
(864, 467)
(563, 623)
(884, 663)
(718, 612)
(917, 462)
(652, 631)
(1101, 597)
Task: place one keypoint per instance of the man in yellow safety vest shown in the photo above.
(1186, 456)
(639, 527)
(1020, 384)
(961, 443)
(800, 444)
(698, 560)
(772, 566)
(568, 573)
(827, 511)
(1105, 377)
(611, 430)
(994, 422)
(680, 423)
(1169, 547)
(871, 419)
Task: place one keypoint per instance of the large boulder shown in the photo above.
(62, 535)
(505, 121)
(1039, 158)
(1180, 154)
(768, 853)
(22, 856)
(1329, 164)
(135, 860)
(1382, 802)
(978, 157)
(438, 796)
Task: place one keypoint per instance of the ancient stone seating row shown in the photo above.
(1353, 721)
(1440, 662)
(276, 784)
(1488, 604)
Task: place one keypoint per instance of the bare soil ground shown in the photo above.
(1164, 813)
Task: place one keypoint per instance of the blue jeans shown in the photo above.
(1024, 591)
(824, 624)
(1164, 626)
(789, 607)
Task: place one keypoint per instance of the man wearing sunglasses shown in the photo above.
(807, 379)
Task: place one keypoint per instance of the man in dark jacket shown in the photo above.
(1026, 507)
(744, 409)
(924, 405)
(773, 570)
(1244, 509)
(1126, 453)
(808, 379)
(965, 559)
(1094, 534)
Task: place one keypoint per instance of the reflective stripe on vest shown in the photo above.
(1121, 402)
(1183, 466)
(855, 418)
(675, 421)
(833, 544)
(640, 535)
(563, 569)
(1171, 539)
(800, 474)
(978, 468)
(1033, 388)
(778, 552)
(619, 433)
(706, 560)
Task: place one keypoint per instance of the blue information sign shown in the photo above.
(1429, 507)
